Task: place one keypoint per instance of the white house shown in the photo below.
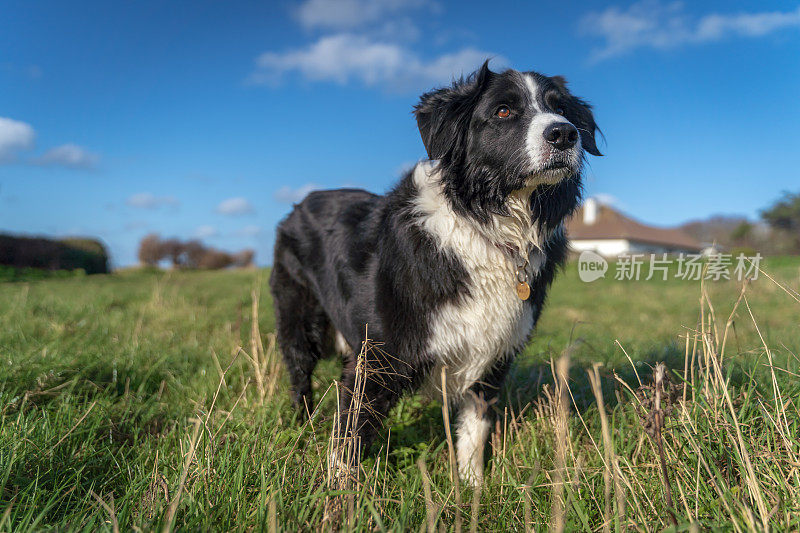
(602, 229)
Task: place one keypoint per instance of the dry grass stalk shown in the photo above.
(686, 369)
(109, 508)
(654, 402)
(527, 499)
(386, 462)
(78, 423)
(526, 506)
(173, 506)
(229, 414)
(430, 508)
(451, 451)
(753, 483)
(272, 515)
(711, 478)
(503, 456)
(343, 445)
(222, 374)
(561, 413)
(611, 472)
(711, 348)
(218, 366)
(658, 417)
(274, 366)
(781, 421)
(255, 344)
(793, 294)
(266, 364)
(332, 507)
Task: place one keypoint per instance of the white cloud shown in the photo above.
(652, 24)
(400, 29)
(15, 136)
(69, 155)
(349, 14)
(146, 200)
(343, 57)
(235, 206)
(205, 232)
(288, 195)
(249, 231)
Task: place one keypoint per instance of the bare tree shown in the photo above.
(150, 250)
(172, 249)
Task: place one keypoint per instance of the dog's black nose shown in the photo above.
(562, 135)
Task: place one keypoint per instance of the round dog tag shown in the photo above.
(523, 290)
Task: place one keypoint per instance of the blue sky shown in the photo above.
(208, 118)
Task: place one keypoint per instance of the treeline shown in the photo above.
(89, 255)
(777, 233)
(190, 254)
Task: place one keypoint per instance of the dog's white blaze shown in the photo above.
(533, 89)
(473, 430)
(492, 323)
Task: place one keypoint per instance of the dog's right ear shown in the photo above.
(443, 115)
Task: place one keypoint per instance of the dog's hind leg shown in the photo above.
(303, 331)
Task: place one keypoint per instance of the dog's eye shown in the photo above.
(503, 111)
(559, 110)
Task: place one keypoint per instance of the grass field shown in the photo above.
(152, 401)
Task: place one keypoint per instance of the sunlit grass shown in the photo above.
(104, 379)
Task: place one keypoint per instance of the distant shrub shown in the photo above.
(190, 254)
(215, 260)
(89, 255)
(244, 258)
(193, 252)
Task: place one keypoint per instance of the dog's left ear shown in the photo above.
(580, 114)
(443, 115)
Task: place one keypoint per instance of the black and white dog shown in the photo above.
(449, 269)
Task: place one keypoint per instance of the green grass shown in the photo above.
(103, 380)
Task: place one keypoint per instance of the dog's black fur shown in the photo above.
(347, 258)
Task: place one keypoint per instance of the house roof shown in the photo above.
(611, 224)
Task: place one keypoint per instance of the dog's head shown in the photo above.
(496, 133)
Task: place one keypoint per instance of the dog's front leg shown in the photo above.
(474, 425)
(475, 422)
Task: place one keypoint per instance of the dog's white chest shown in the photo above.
(469, 337)
(491, 322)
